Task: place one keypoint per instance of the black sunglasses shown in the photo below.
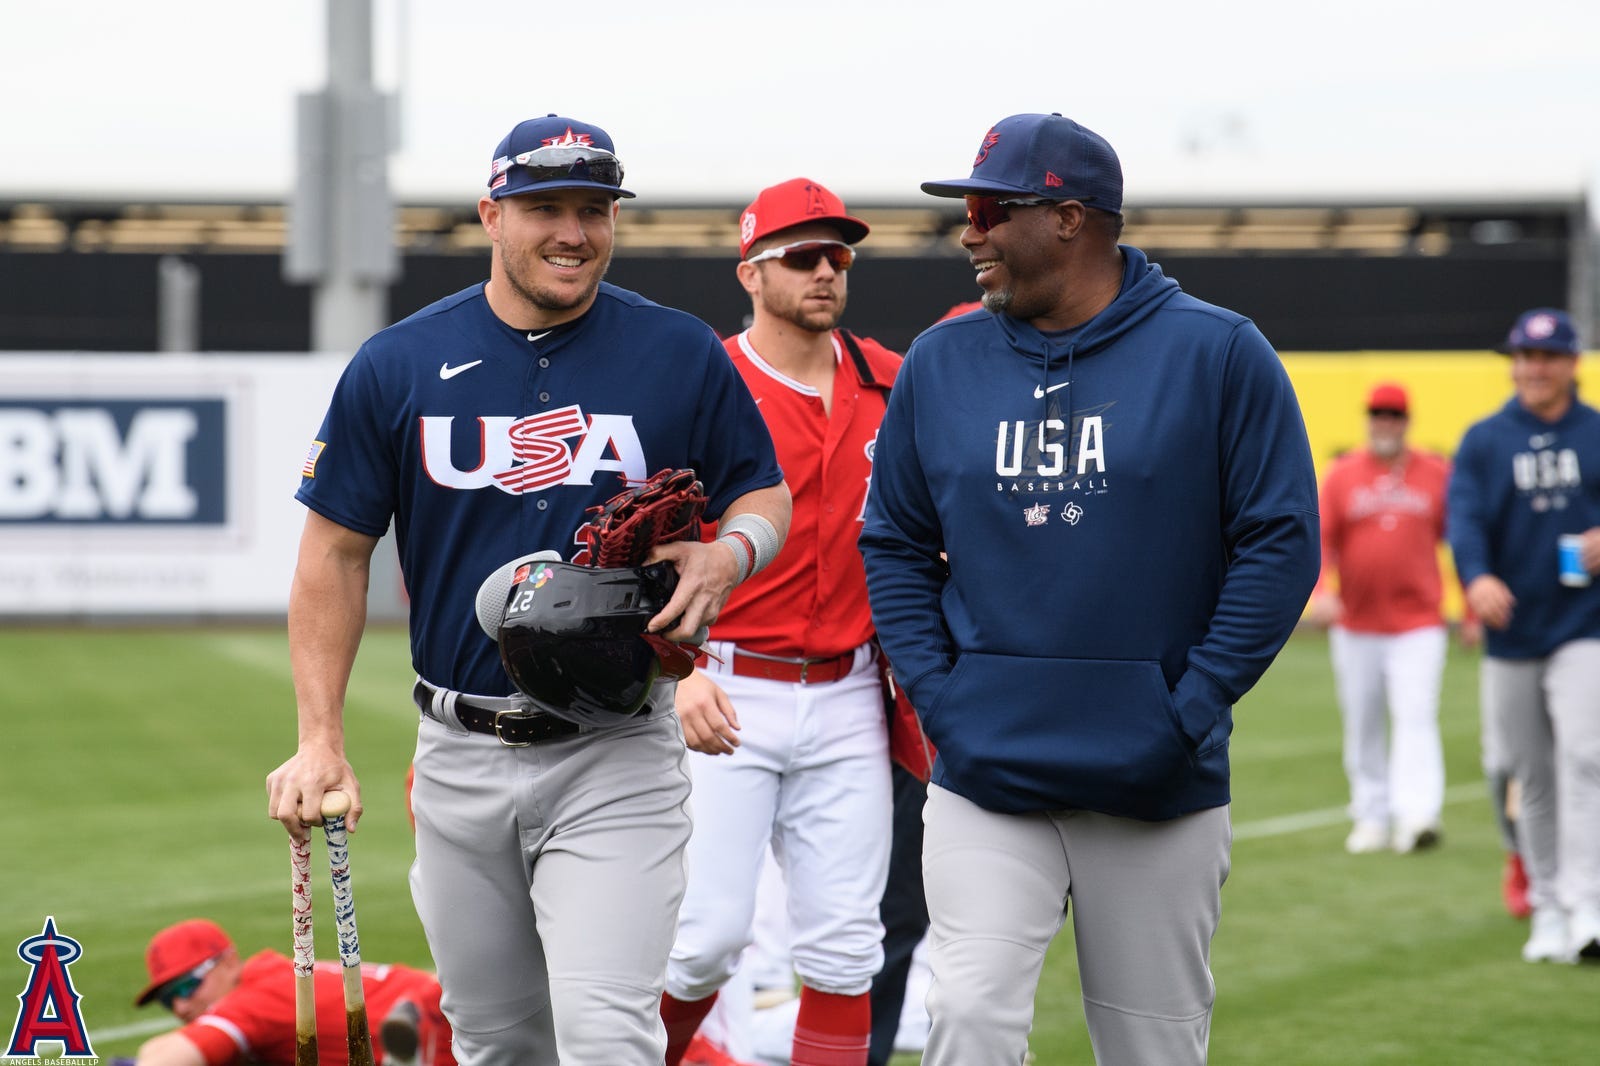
(1385, 412)
(805, 255)
(185, 986)
(984, 213)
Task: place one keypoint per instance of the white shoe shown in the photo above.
(1585, 932)
(1409, 838)
(1366, 837)
(1548, 941)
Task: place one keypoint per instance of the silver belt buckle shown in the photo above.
(501, 737)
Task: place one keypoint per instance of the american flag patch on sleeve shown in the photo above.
(310, 467)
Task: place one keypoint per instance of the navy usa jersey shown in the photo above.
(484, 443)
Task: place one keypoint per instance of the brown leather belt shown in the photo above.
(793, 671)
(513, 728)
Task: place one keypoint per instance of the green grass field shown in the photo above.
(133, 797)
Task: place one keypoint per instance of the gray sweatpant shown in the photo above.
(1545, 717)
(1146, 899)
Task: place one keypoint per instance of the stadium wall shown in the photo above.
(162, 486)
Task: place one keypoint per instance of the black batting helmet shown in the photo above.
(572, 637)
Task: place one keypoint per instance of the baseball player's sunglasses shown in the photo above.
(556, 162)
(805, 255)
(984, 213)
(185, 986)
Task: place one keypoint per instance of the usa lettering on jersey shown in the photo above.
(1046, 455)
(534, 452)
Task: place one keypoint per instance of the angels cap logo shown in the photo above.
(814, 202)
(49, 1004)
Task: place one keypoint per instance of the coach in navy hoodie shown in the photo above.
(1524, 477)
(1092, 524)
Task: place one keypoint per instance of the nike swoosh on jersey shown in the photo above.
(532, 336)
(446, 371)
(1040, 390)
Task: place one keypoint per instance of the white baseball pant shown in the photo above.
(1388, 687)
(811, 775)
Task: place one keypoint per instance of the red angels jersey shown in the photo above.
(255, 1022)
(811, 601)
(1381, 528)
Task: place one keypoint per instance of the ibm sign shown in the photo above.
(134, 462)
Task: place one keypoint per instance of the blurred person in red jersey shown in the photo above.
(1383, 518)
(242, 1010)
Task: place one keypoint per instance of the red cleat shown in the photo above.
(703, 1052)
(1514, 887)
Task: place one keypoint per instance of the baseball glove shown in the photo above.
(658, 510)
(661, 509)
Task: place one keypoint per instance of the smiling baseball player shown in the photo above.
(549, 853)
(786, 731)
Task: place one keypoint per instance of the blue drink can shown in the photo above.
(1569, 552)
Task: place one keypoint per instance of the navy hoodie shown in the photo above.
(1518, 484)
(1130, 519)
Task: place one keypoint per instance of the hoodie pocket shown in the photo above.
(1021, 733)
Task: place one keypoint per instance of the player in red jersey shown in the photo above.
(238, 1011)
(1383, 517)
(786, 725)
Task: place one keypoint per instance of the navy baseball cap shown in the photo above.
(1041, 155)
(555, 153)
(1544, 329)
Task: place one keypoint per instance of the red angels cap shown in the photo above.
(1387, 397)
(793, 203)
(178, 949)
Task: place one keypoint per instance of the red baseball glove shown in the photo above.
(658, 510)
(661, 509)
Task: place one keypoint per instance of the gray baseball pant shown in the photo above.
(1146, 899)
(548, 880)
(1546, 717)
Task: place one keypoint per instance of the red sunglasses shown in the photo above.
(984, 213)
(804, 255)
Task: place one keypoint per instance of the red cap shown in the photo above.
(178, 949)
(794, 203)
(1388, 397)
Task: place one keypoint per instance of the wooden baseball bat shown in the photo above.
(305, 955)
(358, 1033)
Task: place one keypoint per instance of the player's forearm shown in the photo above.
(327, 613)
(170, 1049)
(772, 503)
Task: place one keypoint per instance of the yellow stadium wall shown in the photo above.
(1449, 391)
